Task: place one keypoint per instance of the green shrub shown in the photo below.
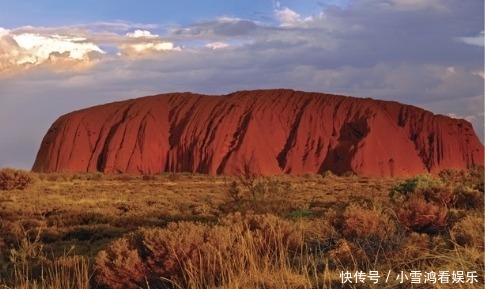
(452, 177)
(472, 178)
(404, 188)
(11, 179)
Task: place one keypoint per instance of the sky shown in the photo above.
(59, 56)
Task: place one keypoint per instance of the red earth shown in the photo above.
(270, 131)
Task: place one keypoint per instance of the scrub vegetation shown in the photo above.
(86, 231)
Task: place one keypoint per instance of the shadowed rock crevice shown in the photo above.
(278, 131)
(102, 158)
(237, 139)
(292, 137)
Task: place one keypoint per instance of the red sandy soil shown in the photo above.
(271, 131)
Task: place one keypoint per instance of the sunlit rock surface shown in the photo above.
(269, 131)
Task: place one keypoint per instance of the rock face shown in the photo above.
(269, 131)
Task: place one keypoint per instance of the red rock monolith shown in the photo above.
(269, 131)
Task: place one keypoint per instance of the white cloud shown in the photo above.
(9, 50)
(478, 40)
(4, 31)
(226, 19)
(159, 46)
(480, 73)
(451, 69)
(24, 50)
(143, 42)
(75, 47)
(468, 118)
(217, 45)
(37, 49)
(288, 17)
(142, 34)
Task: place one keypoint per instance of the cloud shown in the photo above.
(143, 42)
(288, 17)
(470, 109)
(141, 34)
(73, 48)
(146, 48)
(468, 118)
(478, 40)
(414, 5)
(26, 50)
(4, 31)
(38, 48)
(9, 50)
(217, 45)
(219, 29)
(480, 73)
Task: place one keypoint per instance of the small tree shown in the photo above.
(252, 191)
(248, 178)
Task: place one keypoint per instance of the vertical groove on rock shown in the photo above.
(238, 138)
(102, 158)
(291, 140)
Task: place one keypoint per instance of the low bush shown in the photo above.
(370, 228)
(403, 189)
(415, 246)
(476, 178)
(472, 178)
(347, 256)
(11, 179)
(452, 177)
(422, 216)
(260, 195)
(373, 230)
(193, 255)
(273, 234)
(421, 204)
(469, 232)
(120, 265)
(467, 198)
(361, 223)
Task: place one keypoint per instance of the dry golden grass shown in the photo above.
(11, 179)
(191, 231)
